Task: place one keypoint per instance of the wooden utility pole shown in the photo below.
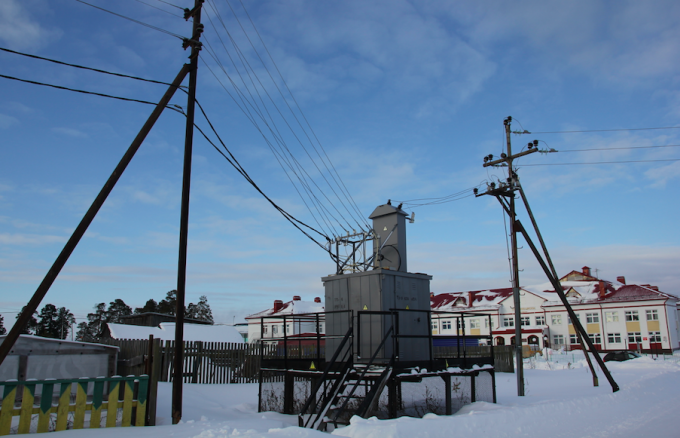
(178, 374)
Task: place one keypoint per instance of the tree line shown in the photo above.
(53, 322)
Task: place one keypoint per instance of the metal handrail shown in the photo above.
(324, 376)
(361, 377)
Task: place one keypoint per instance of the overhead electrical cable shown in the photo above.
(250, 117)
(245, 109)
(253, 103)
(248, 69)
(234, 162)
(292, 112)
(84, 91)
(168, 3)
(620, 148)
(601, 162)
(85, 68)
(133, 20)
(301, 112)
(596, 130)
(160, 9)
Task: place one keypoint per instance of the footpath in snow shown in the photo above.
(560, 401)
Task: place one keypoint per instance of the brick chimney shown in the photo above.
(431, 294)
(296, 298)
(602, 290)
(278, 304)
(471, 298)
(317, 299)
(621, 279)
(586, 270)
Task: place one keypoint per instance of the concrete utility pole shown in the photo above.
(512, 180)
(505, 194)
(178, 372)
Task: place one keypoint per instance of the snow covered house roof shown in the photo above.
(579, 287)
(166, 332)
(479, 300)
(294, 307)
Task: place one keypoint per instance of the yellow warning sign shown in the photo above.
(407, 307)
(312, 367)
(447, 364)
(365, 307)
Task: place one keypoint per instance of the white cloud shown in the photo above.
(7, 121)
(29, 239)
(19, 30)
(70, 132)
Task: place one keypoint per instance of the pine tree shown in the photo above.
(31, 325)
(86, 333)
(3, 331)
(117, 308)
(150, 306)
(169, 304)
(201, 310)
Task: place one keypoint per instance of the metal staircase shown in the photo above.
(346, 388)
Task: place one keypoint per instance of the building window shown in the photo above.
(558, 339)
(434, 325)
(556, 319)
(446, 325)
(595, 338)
(634, 337)
(540, 320)
(573, 339)
(611, 316)
(652, 315)
(287, 328)
(474, 323)
(569, 318)
(632, 315)
(654, 336)
(275, 329)
(508, 321)
(526, 320)
(614, 338)
(592, 318)
(266, 329)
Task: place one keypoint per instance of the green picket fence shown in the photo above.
(97, 402)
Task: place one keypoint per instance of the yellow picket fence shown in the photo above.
(106, 398)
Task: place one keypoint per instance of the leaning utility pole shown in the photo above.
(505, 194)
(178, 374)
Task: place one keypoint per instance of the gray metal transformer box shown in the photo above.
(379, 290)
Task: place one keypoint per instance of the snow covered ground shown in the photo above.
(560, 401)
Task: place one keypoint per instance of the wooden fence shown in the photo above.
(204, 362)
(114, 401)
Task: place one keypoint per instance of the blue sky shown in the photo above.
(405, 97)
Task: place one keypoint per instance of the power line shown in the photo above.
(168, 3)
(234, 162)
(601, 162)
(83, 67)
(340, 185)
(160, 9)
(261, 109)
(595, 130)
(620, 148)
(85, 92)
(133, 20)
